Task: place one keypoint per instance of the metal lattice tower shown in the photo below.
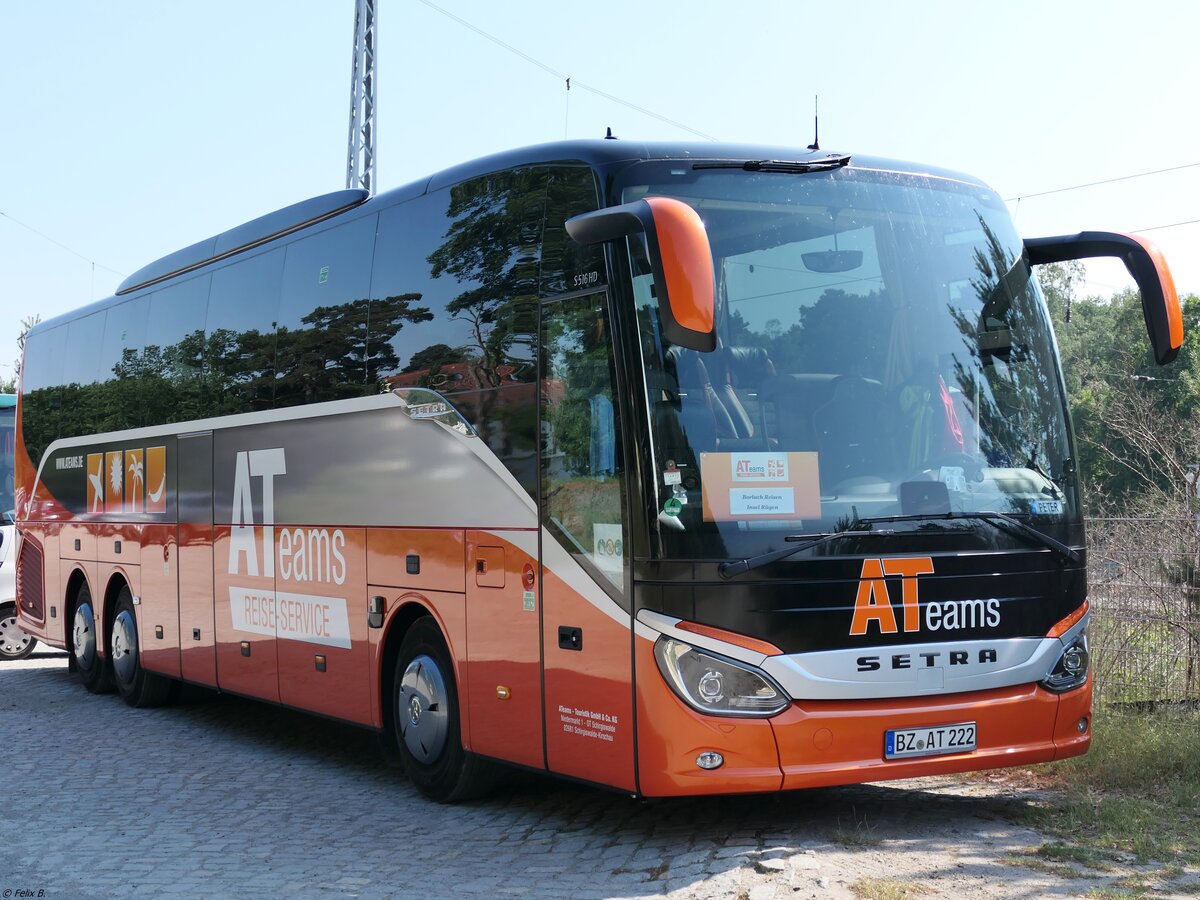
(360, 162)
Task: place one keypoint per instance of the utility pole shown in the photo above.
(360, 161)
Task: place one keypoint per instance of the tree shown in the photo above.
(1138, 440)
(9, 385)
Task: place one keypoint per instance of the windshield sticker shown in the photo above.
(671, 474)
(954, 477)
(672, 507)
(608, 551)
(747, 486)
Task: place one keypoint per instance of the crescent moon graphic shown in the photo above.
(156, 495)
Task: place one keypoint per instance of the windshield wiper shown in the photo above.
(737, 567)
(786, 166)
(996, 519)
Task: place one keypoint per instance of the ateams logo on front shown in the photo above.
(873, 601)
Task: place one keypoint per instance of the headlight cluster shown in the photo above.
(716, 685)
(1071, 669)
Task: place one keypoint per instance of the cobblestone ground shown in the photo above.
(227, 797)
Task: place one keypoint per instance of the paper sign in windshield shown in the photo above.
(749, 486)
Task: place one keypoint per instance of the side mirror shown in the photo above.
(1160, 303)
(680, 258)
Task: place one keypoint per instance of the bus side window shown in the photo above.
(120, 352)
(321, 329)
(41, 389)
(567, 265)
(239, 334)
(81, 372)
(583, 477)
(171, 387)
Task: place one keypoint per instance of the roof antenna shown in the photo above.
(610, 136)
(815, 145)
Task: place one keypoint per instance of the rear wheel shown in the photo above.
(93, 670)
(136, 686)
(426, 715)
(14, 643)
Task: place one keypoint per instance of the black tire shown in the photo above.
(14, 643)
(136, 686)
(425, 712)
(93, 670)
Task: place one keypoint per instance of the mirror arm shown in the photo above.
(1160, 302)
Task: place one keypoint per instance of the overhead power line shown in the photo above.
(1076, 187)
(563, 77)
(60, 244)
(1172, 225)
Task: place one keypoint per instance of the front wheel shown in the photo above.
(14, 643)
(93, 670)
(425, 712)
(136, 686)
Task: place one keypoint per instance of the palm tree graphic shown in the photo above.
(135, 478)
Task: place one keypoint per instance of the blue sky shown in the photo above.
(133, 128)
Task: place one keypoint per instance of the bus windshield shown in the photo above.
(882, 351)
(8, 457)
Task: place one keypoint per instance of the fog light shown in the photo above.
(1082, 725)
(710, 759)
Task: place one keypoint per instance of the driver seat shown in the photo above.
(848, 428)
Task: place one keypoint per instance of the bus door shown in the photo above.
(504, 677)
(586, 642)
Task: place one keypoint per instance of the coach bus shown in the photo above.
(677, 469)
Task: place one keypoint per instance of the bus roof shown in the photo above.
(604, 153)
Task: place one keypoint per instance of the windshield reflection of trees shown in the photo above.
(1008, 375)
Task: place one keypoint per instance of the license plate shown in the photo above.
(902, 743)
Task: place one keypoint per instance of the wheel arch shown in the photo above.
(77, 579)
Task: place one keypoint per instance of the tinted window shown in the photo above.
(8, 459)
(239, 339)
(124, 337)
(453, 271)
(42, 366)
(82, 362)
(567, 265)
(322, 323)
(119, 403)
(81, 369)
(41, 377)
(171, 387)
(583, 479)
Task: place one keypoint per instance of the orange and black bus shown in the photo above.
(678, 469)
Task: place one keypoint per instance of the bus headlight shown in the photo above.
(717, 685)
(1071, 669)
